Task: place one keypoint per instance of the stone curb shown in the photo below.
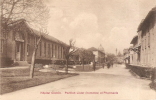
(137, 76)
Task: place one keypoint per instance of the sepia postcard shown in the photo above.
(78, 50)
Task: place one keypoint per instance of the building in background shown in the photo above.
(99, 54)
(126, 56)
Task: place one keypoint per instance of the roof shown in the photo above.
(37, 33)
(95, 49)
(126, 51)
(150, 16)
(101, 48)
(134, 40)
(46, 36)
(76, 52)
(131, 47)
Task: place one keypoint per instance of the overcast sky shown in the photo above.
(111, 23)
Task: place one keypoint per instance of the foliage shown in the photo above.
(111, 57)
(86, 55)
(90, 56)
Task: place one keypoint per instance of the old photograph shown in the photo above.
(78, 50)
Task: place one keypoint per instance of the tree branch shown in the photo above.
(13, 5)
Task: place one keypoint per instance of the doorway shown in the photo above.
(19, 51)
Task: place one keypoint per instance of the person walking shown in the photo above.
(94, 65)
(112, 63)
(103, 65)
(108, 65)
(153, 78)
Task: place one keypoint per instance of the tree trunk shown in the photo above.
(94, 65)
(33, 63)
(66, 68)
(83, 63)
(74, 62)
(33, 59)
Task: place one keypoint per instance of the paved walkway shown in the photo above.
(16, 67)
(98, 85)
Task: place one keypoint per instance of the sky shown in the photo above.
(111, 23)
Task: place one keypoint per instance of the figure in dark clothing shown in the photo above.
(153, 79)
(108, 65)
(103, 65)
(111, 63)
(94, 65)
(153, 75)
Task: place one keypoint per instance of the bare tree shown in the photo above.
(42, 34)
(35, 13)
(68, 51)
(82, 55)
(34, 56)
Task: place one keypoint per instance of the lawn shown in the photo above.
(16, 79)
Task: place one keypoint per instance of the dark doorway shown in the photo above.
(19, 51)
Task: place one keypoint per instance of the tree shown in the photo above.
(82, 55)
(85, 55)
(35, 13)
(34, 53)
(90, 56)
(34, 57)
(111, 57)
(68, 51)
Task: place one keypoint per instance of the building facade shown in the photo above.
(135, 51)
(17, 45)
(143, 58)
(126, 56)
(99, 54)
(147, 38)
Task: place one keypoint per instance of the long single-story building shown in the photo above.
(18, 43)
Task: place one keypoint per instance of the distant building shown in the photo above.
(82, 56)
(99, 54)
(119, 59)
(126, 56)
